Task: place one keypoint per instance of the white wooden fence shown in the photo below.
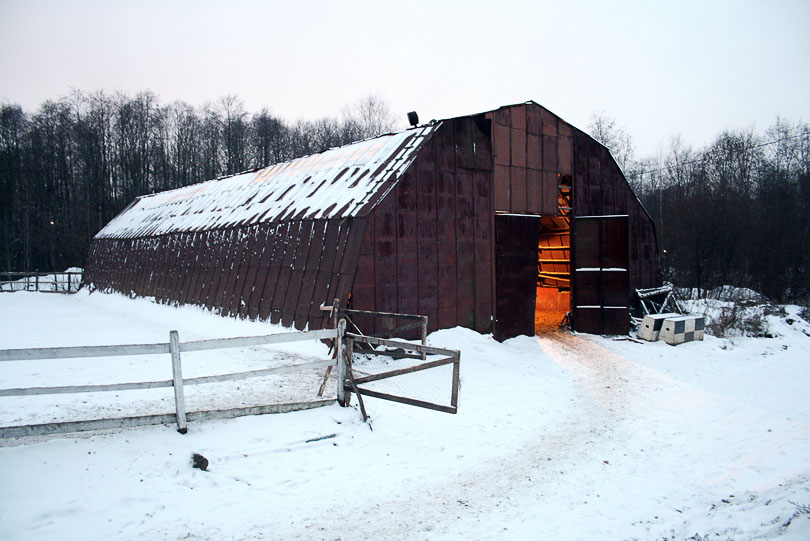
(174, 347)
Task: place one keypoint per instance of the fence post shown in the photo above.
(68, 289)
(341, 362)
(36, 281)
(424, 335)
(456, 367)
(177, 377)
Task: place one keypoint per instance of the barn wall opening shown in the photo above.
(553, 294)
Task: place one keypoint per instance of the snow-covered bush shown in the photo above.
(730, 311)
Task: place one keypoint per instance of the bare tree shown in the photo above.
(604, 129)
(368, 117)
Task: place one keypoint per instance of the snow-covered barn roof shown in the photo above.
(340, 182)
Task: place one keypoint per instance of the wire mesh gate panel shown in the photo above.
(399, 373)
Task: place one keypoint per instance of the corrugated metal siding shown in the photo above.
(281, 272)
(337, 183)
(427, 247)
(530, 148)
(601, 189)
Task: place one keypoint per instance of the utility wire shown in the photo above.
(704, 158)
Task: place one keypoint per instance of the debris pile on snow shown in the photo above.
(735, 312)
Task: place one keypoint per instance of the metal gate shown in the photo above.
(412, 374)
(601, 287)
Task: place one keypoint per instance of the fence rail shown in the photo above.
(43, 282)
(173, 347)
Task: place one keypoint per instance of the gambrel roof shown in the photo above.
(340, 182)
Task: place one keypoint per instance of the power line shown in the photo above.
(749, 149)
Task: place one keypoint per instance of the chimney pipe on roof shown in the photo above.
(413, 118)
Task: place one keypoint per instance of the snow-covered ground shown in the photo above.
(557, 437)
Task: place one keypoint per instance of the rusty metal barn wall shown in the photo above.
(427, 247)
(601, 189)
(530, 148)
(282, 272)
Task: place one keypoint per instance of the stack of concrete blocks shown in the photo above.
(651, 326)
(673, 329)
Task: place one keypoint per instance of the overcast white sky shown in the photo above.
(659, 68)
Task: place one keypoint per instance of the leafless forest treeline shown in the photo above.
(71, 166)
(736, 212)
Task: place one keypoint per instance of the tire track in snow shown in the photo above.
(588, 430)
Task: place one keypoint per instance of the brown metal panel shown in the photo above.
(274, 261)
(215, 246)
(482, 135)
(262, 270)
(502, 194)
(482, 194)
(464, 142)
(386, 260)
(314, 256)
(534, 151)
(302, 242)
(227, 272)
(406, 191)
(179, 267)
(160, 265)
(241, 264)
(534, 191)
(501, 148)
(256, 248)
(465, 270)
(447, 252)
(503, 116)
(330, 251)
(565, 155)
(516, 240)
(349, 261)
(549, 123)
(445, 151)
(601, 289)
(285, 272)
(550, 154)
(533, 125)
(551, 189)
(235, 299)
(518, 147)
(519, 113)
(190, 256)
(519, 190)
(205, 252)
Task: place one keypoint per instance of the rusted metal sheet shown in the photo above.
(302, 241)
(516, 240)
(518, 145)
(337, 183)
(517, 177)
(601, 275)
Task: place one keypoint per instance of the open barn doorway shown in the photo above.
(553, 295)
(553, 301)
(533, 269)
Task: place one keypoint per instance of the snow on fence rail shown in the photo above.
(46, 282)
(174, 347)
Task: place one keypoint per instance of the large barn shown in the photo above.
(498, 221)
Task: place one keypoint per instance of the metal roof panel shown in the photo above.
(337, 183)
